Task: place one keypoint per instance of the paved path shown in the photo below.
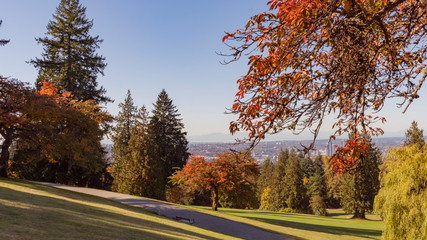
(202, 220)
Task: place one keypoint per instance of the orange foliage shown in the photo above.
(49, 89)
(224, 173)
(312, 58)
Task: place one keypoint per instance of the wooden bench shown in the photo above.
(184, 220)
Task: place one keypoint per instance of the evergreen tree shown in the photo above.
(294, 189)
(359, 188)
(141, 170)
(317, 182)
(69, 59)
(276, 193)
(167, 141)
(414, 135)
(333, 182)
(125, 122)
(307, 166)
(316, 189)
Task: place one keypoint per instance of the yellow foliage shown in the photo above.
(402, 201)
(265, 198)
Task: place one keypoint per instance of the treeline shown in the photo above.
(147, 149)
(298, 184)
(294, 183)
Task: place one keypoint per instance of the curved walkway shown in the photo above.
(202, 220)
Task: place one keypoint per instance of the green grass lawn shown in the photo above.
(32, 211)
(305, 226)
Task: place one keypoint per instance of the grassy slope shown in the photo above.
(31, 211)
(305, 226)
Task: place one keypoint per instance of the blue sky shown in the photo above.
(151, 45)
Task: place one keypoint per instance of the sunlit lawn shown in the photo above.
(31, 211)
(306, 226)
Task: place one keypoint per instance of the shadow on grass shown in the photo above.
(321, 228)
(25, 214)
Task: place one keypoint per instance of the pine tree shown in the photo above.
(316, 189)
(307, 166)
(121, 137)
(317, 182)
(141, 170)
(167, 141)
(359, 188)
(69, 59)
(294, 189)
(276, 193)
(414, 135)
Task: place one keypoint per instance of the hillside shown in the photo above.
(31, 211)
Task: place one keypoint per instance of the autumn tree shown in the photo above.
(125, 122)
(14, 108)
(309, 59)
(168, 145)
(66, 145)
(69, 59)
(401, 201)
(414, 135)
(224, 174)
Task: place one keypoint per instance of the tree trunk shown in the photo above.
(359, 214)
(215, 199)
(4, 157)
(69, 174)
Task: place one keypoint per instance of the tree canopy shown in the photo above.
(228, 172)
(69, 59)
(14, 96)
(64, 143)
(401, 201)
(308, 59)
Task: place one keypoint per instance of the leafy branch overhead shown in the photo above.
(312, 58)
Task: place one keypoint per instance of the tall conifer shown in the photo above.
(168, 143)
(414, 135)
(276, 194)
(125, 122)
(69, 59)
(294, 189)
(142, 170)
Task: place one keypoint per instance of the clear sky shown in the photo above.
(170, 44)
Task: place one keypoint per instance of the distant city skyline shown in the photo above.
(171, 45)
